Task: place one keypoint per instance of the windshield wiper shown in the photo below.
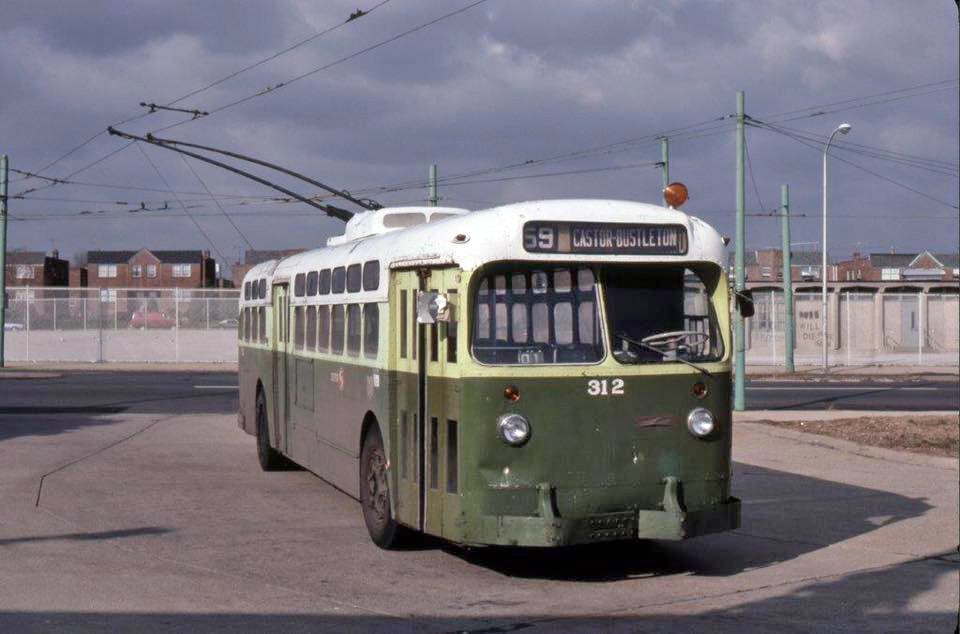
(662, 353)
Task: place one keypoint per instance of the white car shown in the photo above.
(12, 325)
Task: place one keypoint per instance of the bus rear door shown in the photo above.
(281, 338)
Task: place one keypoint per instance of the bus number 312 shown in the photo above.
(601, 387)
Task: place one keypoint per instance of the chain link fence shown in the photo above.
(916, 328)
(107, 324)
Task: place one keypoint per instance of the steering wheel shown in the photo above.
(674, 338)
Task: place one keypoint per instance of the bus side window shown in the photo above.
(246, 325)
(403, 324)
(299, 284)
(240, 325)
(336, 330)
(452, 327)
(354, 276)
(434, 339)
(371, 330)
(414, 327)
(311, 339)
(263, 324)
(254, 325)
(323, 338)
(354, 330)
(298, 327)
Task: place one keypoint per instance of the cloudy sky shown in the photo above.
(517, 99)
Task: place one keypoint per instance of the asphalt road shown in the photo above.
(165, 523)
(861, 395)
(108, 392)
(100, 392)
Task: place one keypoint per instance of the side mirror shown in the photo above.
(432, 307)
(745, 303)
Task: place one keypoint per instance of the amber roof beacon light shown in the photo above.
(675, 194)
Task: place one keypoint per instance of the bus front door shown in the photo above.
(425, 442)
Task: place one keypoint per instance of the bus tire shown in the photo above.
(375, 491)
(270, 459)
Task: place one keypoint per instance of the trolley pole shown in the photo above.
(3, 252)
(433, 185)
(665, 163)
(739, 389)
(787, 278)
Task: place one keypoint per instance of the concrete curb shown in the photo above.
(22, 374)
(122, 366)
(846, 446)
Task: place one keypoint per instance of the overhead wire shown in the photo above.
(283, 84)
(796, 138)
(353, 16)
(189, 215)
(219, 206)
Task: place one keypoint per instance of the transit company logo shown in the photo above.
(337, 379)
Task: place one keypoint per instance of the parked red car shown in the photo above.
(152, 319)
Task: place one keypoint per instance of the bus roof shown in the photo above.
(472, 239)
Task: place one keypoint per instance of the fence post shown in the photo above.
(84, 303)
(29, 302)
(54, 313)
(176, 324)
(207, 301)
(921, 327)
(846, 340)
(116, 309)
(99, 325)
(773, 326)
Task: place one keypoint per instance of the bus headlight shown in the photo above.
(514, 429)
(700, 422)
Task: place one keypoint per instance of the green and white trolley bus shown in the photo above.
(537, 374)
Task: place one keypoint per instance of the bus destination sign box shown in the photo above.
(604, 238)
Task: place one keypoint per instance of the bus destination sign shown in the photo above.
(604, 238)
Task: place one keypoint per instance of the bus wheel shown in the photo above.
(375, 491)
(270, 459)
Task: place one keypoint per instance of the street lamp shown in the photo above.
(843, 128)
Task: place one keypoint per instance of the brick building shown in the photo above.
(150, 269)
(253, 257)
(36, 268)
(766, 265)
(900, 267)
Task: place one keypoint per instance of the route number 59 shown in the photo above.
(538, 238)
(601, 387)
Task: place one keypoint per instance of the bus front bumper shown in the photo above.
(672, 522)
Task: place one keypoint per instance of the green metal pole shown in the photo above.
(739, 388)
(433, 185)
(787, 277)
(3, 252)
(665, 161)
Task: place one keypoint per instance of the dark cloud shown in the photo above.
(501, 83)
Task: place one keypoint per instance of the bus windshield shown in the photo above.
(537, 316)
(660, 314)
(547, 315)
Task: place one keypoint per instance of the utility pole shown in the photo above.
(665, 163)
(739, 388)
(3, 252)
(787, 277)
(433, 185)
